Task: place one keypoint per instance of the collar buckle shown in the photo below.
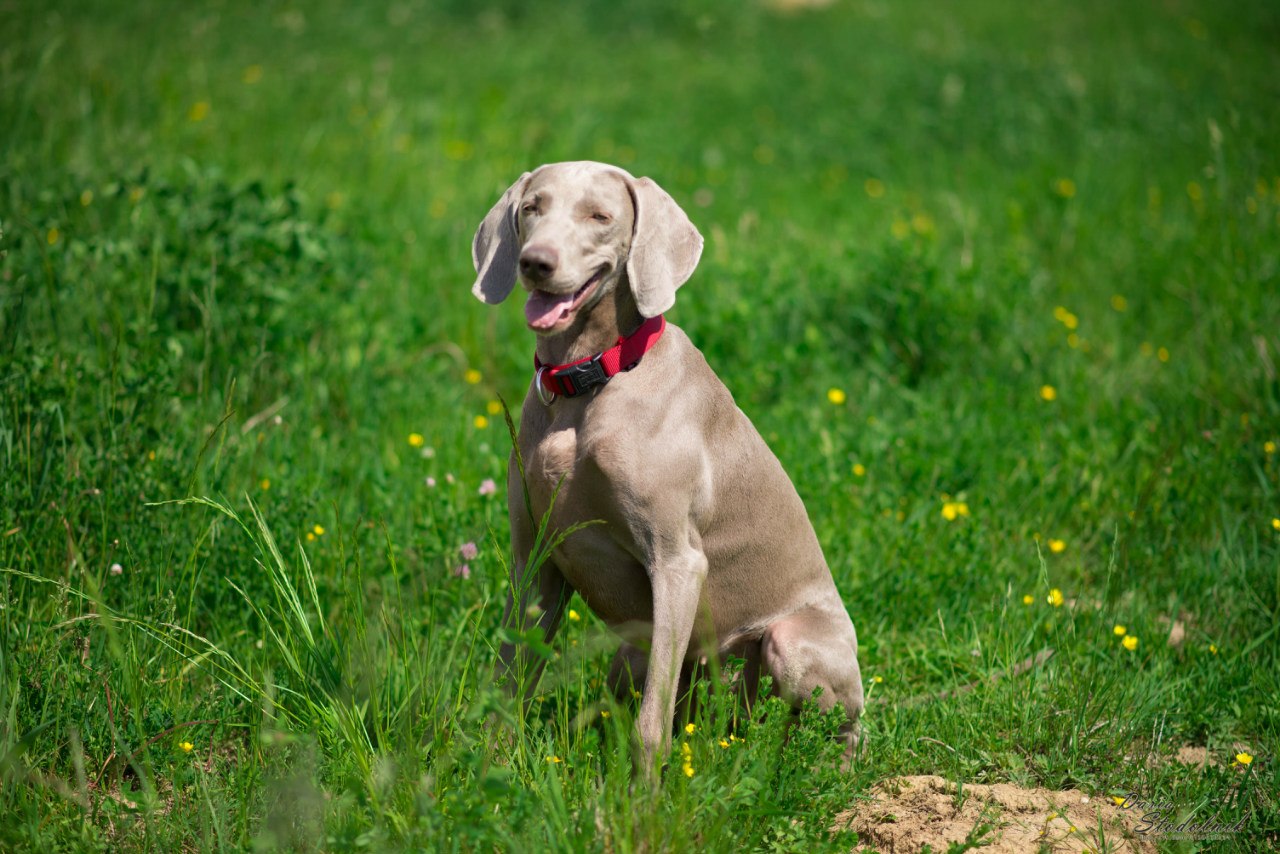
(576, 379)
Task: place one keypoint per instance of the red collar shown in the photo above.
(577, 377)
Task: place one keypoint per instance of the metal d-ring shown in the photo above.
(546, 395)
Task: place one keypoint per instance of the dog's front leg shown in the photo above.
(541, 604)
(537, 600)
(677, 586)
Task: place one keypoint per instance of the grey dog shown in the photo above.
(705, 547)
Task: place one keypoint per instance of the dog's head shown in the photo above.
(570, 232)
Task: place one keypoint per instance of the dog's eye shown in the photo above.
(601, 217)
(529, 207)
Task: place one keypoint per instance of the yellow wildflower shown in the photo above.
(554, 760)
(859, 469)
(1244, 758)
(1120, 630)
(186, 746)
(686, 755)
(493, 407)
(952, 510)
(1057, 546)
(1119, 303)
(874, 187)
(574, 616)
(319, 530)
(605, 714)
(1065, 187)
(481, 422)
(251, 74)
(416, 440)
(86, 198)
(1048, 392)
(836, 396)
(1130, 642)
(1195, 192)
(199, 111)
(52, 236)
(877, 679)
(1268, 447)
(472, 376)
(1120, 802)
(311, 538)
(1213, 649)
(265, 483)
(1275, 523)
(1028, 599)
(724, 744)
(1055, 598)
(690, 728)
(1162, 354)
(1065, 317)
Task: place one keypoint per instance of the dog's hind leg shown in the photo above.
(815, 648)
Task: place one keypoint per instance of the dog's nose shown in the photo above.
(538, 262)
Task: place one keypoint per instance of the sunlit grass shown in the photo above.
(999, 287)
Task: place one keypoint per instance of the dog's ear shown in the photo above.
(496, 247)
(664, 250)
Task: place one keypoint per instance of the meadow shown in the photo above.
(1000, 286)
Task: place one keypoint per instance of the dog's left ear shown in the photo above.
(496, 247)
(664, 251)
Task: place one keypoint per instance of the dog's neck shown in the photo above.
(594, 330)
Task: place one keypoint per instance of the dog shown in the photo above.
(703, 546)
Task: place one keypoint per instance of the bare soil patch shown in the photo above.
(908, 813)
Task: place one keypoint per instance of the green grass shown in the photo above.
(236, 270)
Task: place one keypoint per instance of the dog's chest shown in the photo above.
(550, 459)
(552, 472)
(562, 478)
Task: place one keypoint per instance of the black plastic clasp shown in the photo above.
(578, 378)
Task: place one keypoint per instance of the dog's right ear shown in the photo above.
(496, 247)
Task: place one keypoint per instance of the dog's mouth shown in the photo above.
(545, 310)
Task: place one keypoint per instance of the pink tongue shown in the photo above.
(544, 310)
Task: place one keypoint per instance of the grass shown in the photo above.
(235, 283)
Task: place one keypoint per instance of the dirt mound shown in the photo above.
(908, 813)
